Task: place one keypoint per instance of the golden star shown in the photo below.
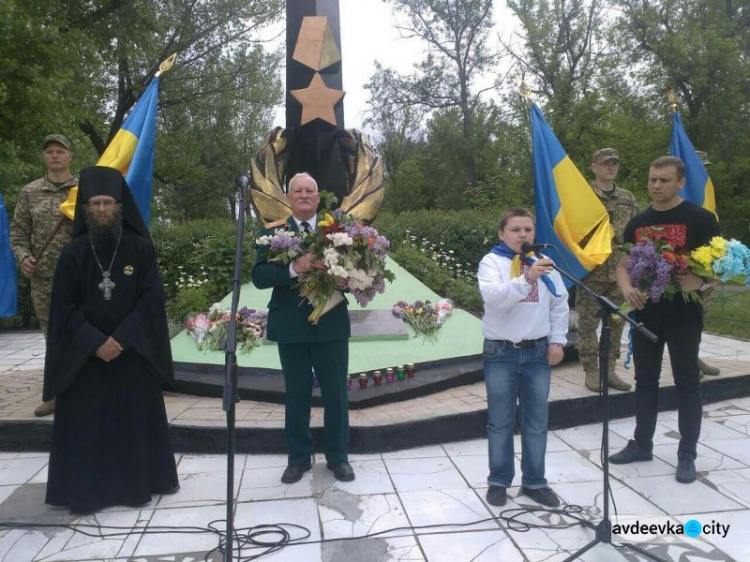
(318, 101)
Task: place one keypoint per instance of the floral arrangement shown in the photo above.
(283, 245)
(652, 267)
(727, 260)
(424, 318)
(209, 329)
(353, 256)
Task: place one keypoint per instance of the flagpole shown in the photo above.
(163, 67)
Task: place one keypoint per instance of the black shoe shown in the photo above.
(631, 453)
(342, 471)
(544, 496)
(496, 496)
(293, 473)
(685, 470)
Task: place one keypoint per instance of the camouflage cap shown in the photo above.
(703, 155)
(59, 139)
(604, 154)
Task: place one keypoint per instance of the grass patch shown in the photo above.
(729, 313)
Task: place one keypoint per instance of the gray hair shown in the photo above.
(303, 174)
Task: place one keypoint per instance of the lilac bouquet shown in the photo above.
(209, 329)
(424, 318)
(652, 267)
(283, 245)
(354, 257)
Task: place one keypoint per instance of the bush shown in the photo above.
(196, 262)
(467, 234)
(189, 300)
(462, 291)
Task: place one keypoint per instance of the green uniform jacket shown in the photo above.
(287, 310)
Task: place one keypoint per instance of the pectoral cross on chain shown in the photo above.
(107, 285)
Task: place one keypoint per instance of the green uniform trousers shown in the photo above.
(330, 361)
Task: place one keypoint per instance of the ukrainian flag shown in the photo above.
(8, 283)
(132, 152)
(698, 187)
(569, 215)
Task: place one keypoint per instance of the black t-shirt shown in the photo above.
(685, 227)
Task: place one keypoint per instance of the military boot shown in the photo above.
(592, 380)
(614, 381)
(707, 369)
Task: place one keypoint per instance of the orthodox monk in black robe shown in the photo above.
(108, 357)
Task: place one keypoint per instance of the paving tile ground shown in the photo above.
(425, 503)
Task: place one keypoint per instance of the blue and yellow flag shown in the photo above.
(698, 187)
(8, 283)
(132, 152)
(569, 215)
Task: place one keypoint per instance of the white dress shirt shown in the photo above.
(516, 310)
(313, 222)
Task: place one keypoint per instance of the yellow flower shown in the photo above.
(718, 246)
(327, 221)
(703, 256)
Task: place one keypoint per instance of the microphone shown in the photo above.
(526, 247)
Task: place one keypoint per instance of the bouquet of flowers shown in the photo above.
(424, 318)
(283, 245)
(209, 329)
(652, 267)
(727, 260)
(354, 257)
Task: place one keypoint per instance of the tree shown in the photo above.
(204, 144)
(701, 50)
(78, 67)
(456, 36)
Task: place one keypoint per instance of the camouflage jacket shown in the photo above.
(621, 206)
(37, 212)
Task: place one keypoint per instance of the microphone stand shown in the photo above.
(231, 397)
(606, 309)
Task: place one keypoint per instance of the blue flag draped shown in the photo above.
(698, 188)
(8, 281)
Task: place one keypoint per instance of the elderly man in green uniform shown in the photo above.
(37, 212)
(304, 347)
(621, 206)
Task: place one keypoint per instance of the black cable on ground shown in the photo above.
(272, 538)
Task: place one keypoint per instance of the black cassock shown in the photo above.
(110, 442)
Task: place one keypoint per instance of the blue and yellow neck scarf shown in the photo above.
(515, 264)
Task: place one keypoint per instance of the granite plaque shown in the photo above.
(377, 325)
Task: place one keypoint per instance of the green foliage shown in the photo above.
(196, 261)
(189, 300)
(468, 234)
(464, 294)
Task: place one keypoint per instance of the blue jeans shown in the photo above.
(507, 370)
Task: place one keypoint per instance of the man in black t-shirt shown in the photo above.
(677, 322)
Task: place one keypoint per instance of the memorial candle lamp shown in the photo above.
(348, 382)
(363, 381)
(410, 370)
(400, 372)
(390, 376)
(377, 378)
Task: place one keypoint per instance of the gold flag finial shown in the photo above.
(167, 64)
(523, 89)
(672, 99)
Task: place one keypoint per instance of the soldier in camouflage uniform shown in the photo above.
(621, 207)
(707, 296)
(37, 212)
